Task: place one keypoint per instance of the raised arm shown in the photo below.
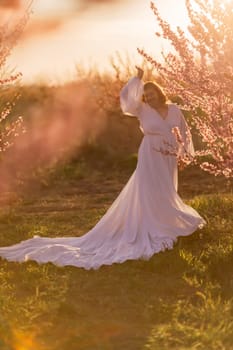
(131, 95)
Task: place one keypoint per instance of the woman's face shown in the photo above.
(151, 97)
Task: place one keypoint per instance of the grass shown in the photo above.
(179, 299)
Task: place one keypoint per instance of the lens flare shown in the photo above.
(25, 341)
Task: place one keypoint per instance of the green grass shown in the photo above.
(179, 299)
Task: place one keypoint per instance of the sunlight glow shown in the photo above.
(78, 37)
(51, 7)
(25, 341)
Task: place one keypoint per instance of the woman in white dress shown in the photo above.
(148, 215)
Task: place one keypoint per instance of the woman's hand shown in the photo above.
(140, 72)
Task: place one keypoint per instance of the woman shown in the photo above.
(148, 215)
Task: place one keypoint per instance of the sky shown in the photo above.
(64, 33)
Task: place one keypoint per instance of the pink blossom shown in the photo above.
(200, 72)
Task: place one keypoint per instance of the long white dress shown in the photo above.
(146, 217)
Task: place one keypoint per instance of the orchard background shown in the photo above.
(66, 153)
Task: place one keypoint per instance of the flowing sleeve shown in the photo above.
(186, 146)
(131, 97)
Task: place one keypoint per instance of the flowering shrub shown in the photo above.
(200, 72)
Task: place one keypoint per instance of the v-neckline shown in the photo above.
(160, 116)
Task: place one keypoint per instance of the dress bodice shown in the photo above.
(151, 122)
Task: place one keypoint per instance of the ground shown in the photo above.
(179, 299)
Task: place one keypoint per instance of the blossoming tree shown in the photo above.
(199, 69)
(10, 31)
